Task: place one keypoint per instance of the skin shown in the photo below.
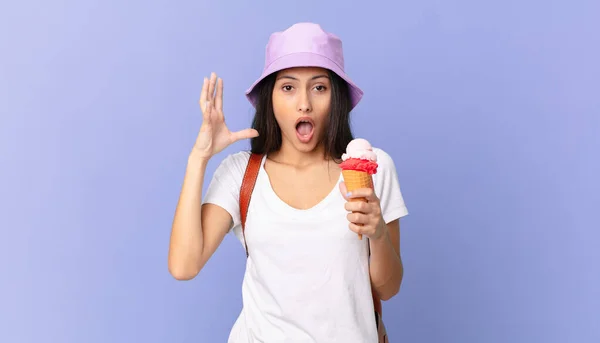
(298, 92)
(301, 92)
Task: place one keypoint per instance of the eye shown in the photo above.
(286, 88)
(320, 88)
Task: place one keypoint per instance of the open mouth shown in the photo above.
(305, 128)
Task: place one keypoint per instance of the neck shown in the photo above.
(289, 155)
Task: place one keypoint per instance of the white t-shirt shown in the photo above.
(307, 274)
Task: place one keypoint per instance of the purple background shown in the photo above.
(490, 110)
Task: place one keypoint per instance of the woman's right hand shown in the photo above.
(214, 136)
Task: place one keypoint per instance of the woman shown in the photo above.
(308, 277)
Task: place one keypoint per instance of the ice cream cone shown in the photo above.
(355, 179)
(358, 166)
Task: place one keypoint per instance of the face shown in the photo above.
(301, 102)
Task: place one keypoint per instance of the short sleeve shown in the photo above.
(224, 187)
(387, 188)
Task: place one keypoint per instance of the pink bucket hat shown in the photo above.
(305, 45)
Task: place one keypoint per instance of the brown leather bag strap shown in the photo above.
(248, 183)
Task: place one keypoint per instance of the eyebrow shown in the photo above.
(294, 78)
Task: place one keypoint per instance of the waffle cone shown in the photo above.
(355, 179)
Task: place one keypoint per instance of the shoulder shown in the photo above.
(233, 166)
(237, 160)
(387, 187)
(384, 160)
(387, 174)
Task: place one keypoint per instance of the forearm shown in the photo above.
(185, 250)
(385, 266)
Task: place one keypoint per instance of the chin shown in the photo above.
(305, 147)
(309, 146)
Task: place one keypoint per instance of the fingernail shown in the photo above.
(348, 194)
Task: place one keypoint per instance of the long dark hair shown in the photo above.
(337, 135)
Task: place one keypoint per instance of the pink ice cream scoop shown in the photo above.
(359, 156)
(360, 148)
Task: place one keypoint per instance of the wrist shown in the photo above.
(382, 236)
(197, 159)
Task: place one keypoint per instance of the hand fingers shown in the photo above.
(359, 229)
(367, 193)
(204, 94)
(358, 218)
(208, 108)
(358, 206)
(211, 87)
(219, 97)
(244, 134)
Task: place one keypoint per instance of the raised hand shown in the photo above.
(214, 136)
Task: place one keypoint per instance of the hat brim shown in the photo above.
(305, 59)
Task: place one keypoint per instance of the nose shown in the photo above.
(304, 103)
